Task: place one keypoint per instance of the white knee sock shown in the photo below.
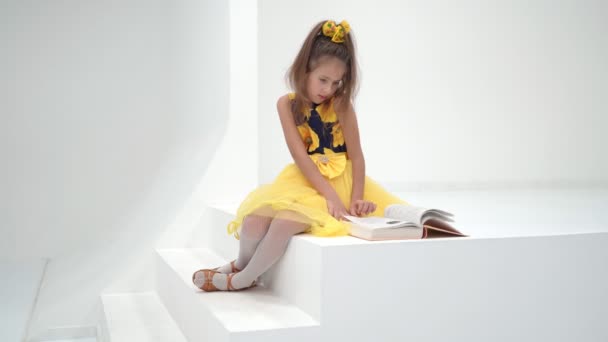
(269, 250)
(247, 246)
(253, 230)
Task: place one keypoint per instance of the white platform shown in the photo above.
(521, 212)
(533, 270)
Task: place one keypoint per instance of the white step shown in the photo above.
(138, 317)
(218, 239)
(84, 339)
(252, 315)
(511, 280)
(525, 288)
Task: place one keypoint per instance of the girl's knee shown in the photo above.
(286, 226)
(255, 227)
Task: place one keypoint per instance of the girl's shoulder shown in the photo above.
(287, 98)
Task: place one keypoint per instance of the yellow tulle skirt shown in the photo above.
(291, 191)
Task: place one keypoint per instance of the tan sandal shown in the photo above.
(208, 284)
(232, 266)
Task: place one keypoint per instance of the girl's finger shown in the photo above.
(363, 208)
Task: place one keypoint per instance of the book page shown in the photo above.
(435, 214)
(418, 215)
(405, 212)
(374, 222)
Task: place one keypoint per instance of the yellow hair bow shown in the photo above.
(336, 32)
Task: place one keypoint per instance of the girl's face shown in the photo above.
(325, 79)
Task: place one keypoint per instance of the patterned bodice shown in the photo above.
(322, 131)
(322, 134)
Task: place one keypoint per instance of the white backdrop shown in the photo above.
(114, 112)
(459, 93)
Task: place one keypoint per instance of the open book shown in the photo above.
(402, 221)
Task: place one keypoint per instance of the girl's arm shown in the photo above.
(350, 130)
(299, 154)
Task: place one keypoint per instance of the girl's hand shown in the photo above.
(336, 208)
(362, 208)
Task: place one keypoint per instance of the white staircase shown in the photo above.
(235, 316)
(137, 317)
(467, 289)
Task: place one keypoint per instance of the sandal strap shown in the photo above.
(229, 285)
(233, 266)
(208, 285)
(202, 270)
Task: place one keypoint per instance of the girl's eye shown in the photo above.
(323, 80)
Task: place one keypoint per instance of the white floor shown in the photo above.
(19, 284)
(478, 213)
(92, 339)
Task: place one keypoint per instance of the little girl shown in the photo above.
(327, 180)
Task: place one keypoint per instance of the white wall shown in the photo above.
(113, 113)
(233, 173)
(459, 94)
(109, 103)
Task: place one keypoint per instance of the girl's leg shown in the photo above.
(285, 225)
(253, 230)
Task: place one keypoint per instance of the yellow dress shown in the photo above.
(290, 190)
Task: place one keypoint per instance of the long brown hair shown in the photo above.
(315, 46)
